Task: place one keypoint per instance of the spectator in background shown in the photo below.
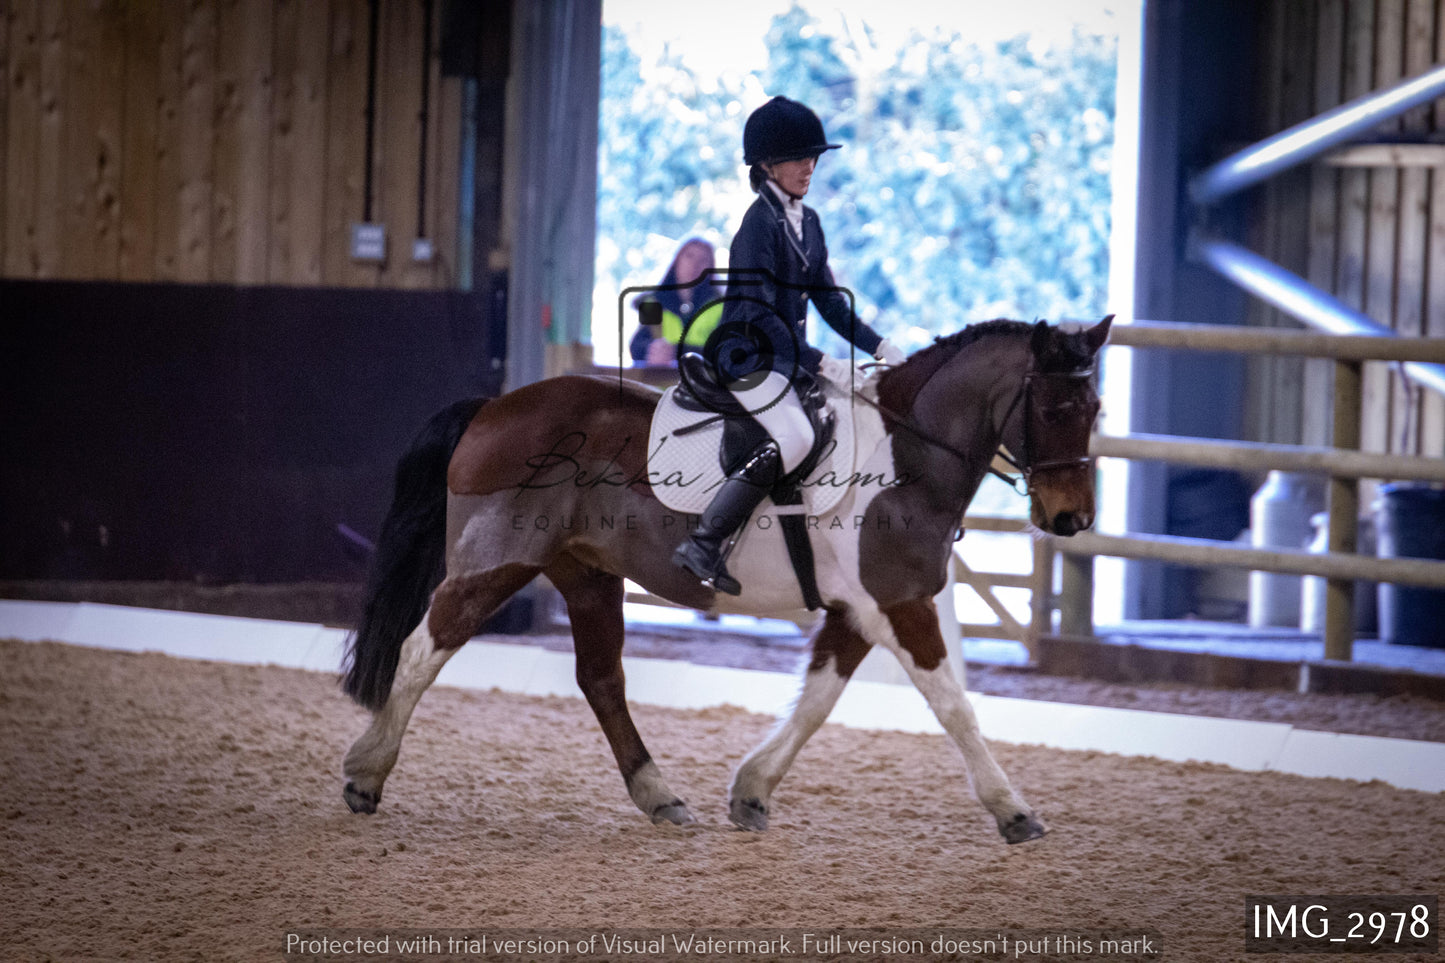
(678, 315)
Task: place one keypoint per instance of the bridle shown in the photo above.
(1028, 466)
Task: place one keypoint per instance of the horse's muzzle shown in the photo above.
(1071, 523)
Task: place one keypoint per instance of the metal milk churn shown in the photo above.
(1312, 597)
(1279, 515)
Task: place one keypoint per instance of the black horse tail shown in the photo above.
(408, 564)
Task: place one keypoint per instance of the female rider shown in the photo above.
(778, 262)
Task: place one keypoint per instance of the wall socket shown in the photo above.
(368, 242)
(422, 250)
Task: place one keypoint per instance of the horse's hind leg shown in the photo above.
(594, 607)
(911, 631)
(459, 607)
(371, 758)
(838, 648)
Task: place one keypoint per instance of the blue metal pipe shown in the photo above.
(1314, 137)
(1295, 296)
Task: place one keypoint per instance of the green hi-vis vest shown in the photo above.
(698, 330)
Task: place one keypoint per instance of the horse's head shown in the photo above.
(1048, 425)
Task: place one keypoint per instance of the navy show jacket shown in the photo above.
(771, 277)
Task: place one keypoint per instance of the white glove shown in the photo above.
(836, 370)
(889, 353)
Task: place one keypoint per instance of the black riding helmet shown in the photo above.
(783, 130)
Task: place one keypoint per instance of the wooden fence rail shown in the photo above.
(1313, 344)
(1258, 456)
(1343, 463)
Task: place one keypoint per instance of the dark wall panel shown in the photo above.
(1199, 74)
(216, 433)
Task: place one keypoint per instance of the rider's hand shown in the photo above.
(836, 370)
(889, 353)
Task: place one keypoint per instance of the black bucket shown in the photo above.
(1412, 525)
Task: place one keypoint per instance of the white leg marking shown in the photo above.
(764, 767)
(947, 700)
(940, 687)
(372, 757)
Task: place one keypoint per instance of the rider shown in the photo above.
(778, 262)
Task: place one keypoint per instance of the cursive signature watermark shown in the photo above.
(564, 464)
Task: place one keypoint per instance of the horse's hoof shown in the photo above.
(675, 812)
(1022, 828)
(749, 814)
(359, 800)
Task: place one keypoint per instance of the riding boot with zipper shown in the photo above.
(735, 501)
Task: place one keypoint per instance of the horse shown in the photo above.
(466, 531)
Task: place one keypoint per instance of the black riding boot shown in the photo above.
(740, 493)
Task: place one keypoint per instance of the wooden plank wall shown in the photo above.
(219, 141)
(1285, 98)
(1370, 232)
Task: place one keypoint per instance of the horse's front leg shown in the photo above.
(910, 629)
(837, 650)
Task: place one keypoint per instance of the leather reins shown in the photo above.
(1028, 467)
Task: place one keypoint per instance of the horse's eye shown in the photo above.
(1059, 411)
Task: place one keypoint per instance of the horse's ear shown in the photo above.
(1039, 342)
(1098, 334)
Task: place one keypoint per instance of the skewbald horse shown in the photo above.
(461, 538)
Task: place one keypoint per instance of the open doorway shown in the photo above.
(978, 177)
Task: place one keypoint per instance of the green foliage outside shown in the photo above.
(974, 182)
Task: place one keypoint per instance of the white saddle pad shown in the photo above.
(686, 474)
